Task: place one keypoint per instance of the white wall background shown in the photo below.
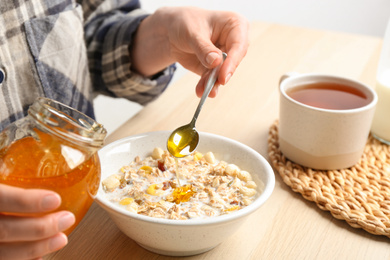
(352, 16)
(355, 16)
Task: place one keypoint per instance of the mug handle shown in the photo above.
(287, 75)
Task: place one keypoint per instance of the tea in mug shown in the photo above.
(329, 95)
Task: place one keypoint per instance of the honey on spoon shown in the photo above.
(184, 140)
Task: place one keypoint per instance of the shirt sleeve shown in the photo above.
(109, 32)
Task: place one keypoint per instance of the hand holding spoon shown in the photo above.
(184, 140)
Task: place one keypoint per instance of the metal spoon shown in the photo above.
(184, 140)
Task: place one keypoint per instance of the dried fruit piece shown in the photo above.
(165, 185)
(161, 165)
(125, 168)
(126, 201)
(172, 184)
(232, 208)
(147, 169)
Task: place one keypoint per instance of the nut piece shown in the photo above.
(244, 176)
(157, 153)
(232, 170)
(209, 157)
(251, 184)
(198, 156)
(248, 191)
(112, 182)
(132, 207)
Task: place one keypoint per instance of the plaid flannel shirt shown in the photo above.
(65, 50)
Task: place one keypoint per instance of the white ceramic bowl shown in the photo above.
(182, 237)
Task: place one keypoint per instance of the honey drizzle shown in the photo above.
(181, 193)
(177, 170)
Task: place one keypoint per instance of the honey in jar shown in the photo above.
(55, 148)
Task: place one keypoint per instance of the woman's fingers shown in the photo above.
(18, 200)
(236, 45)
(32, 249)
(31, 237)
(229, 32)
(14, 229)
(202, 84)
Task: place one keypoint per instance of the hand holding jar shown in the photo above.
(48, 162)
(22, 236)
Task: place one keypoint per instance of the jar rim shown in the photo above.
(67, 122)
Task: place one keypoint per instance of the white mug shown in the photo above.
(323, 138)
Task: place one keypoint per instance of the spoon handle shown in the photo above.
(209, 86)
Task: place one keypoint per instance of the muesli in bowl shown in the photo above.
(217, 204)
(196, 186)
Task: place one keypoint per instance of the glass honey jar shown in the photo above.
(54, 147)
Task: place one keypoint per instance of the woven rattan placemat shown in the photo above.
(359, 195)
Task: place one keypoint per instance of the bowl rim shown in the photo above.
(260, 200)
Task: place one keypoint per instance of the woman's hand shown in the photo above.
(31, 237)
(193, 37)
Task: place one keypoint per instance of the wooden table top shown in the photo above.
(286, 226)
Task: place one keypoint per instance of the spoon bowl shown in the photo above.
(184, 140)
